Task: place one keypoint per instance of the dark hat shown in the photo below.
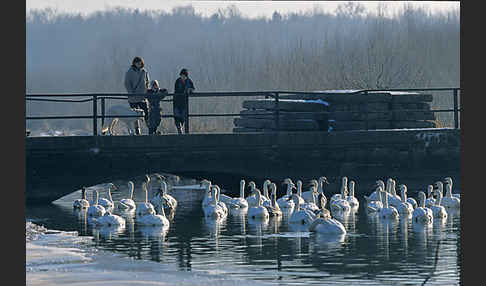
(184, 72)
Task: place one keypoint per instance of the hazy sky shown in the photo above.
(247, 8)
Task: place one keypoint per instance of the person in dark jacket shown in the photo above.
(154, 96)
(183, 86)
(137, 81)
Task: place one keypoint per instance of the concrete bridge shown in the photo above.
(56, 166)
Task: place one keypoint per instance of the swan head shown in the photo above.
(160, 177)
(439, 185)
(242, 183)
(147, 178)
(205, 183)
(351, 187)
(112, 186)
(448, 180)
(344, 180)
(323, 179)
(379, 183)
(287, 181)
(252, 185)
(421, 196)
(313, 183)
(430, 188)
(403, 188)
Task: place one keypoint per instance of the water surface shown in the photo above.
(373, 251)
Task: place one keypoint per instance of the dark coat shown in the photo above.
(154, 111)
(180, 95)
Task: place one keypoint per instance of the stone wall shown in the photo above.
(338, 111)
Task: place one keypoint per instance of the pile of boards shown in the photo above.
(337, 110)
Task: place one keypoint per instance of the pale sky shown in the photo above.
(247, 8)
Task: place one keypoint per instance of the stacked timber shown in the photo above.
(293, 115)
(338, 110)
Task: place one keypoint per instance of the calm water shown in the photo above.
(373, 252)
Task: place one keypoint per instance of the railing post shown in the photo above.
(102, 112)
(366, 111)
(456, 112)
(186, 125)
(277, 112)
(95, 115)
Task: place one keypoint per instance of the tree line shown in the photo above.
(314, 50)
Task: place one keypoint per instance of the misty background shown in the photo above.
(306, 51)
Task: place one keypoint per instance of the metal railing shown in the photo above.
(102, 97)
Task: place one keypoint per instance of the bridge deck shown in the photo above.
(59, 165)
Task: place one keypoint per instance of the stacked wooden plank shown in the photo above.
(338, 110)
(293, 115)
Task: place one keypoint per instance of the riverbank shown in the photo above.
(64, 258)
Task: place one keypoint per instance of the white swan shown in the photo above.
(285, 203)
(273, 209)
(311, 205)
(388, 211)
(154, 219)
(404, 208)
(144, 208)
(219, 202)
(214, 210)
(413, 202)
(109, 219)
(449, 201)
(448, 180)
(393, 199)
(422, 214)
(340, 204)
(324, 223)
(376, 195)
(239, 202)
(252, 198)
(343, 192)
(430, 201)
(128, 204)
(438, 211)
(375, 205)
(258, 211)
(352, 200)
(207, 199)
(162, 197)
(307, 195)
(301, 216)
(108, 204)
(299, 193)
(95, 210)
(81, 203)
(323, 212)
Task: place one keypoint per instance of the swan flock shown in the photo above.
(302, 206)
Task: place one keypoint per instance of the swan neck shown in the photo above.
(242, 189)
(386, 200)
(146, 192)
(130, 187)
(109, 194)
(289, 189)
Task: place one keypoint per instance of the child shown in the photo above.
(154, 96)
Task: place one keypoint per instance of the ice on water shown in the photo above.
(61, 258)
